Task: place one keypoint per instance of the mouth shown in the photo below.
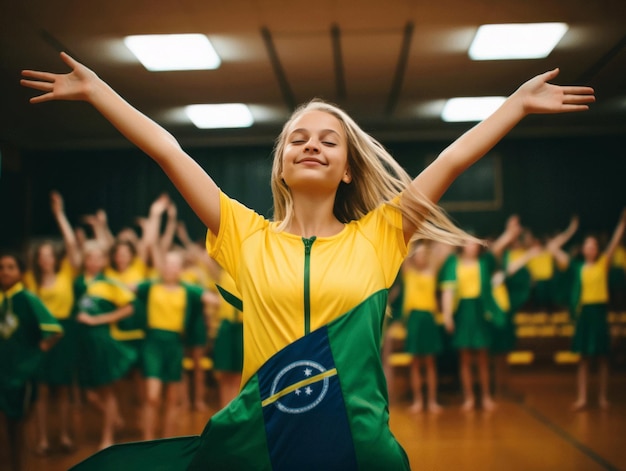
(310, 161)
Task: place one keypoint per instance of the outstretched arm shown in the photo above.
(561, 239)
(511, 232)
(82, 84)
(534, 96)
(69, 238)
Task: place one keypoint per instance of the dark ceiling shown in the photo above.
(388, 63)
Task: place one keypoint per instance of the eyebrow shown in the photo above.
(322, 132)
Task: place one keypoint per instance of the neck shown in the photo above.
(313, 216)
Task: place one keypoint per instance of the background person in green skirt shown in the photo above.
(469, 309)
(314, 282)
(51, 278)
(103, 360)
(174, 318)
(420, 309)
(589, 309)
(27, 329)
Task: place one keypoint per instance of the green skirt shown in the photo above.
(58, 366)
(102, 360)
(228, 348)
(471, 329)
(423, 336)
(592, 336)
(162, 356)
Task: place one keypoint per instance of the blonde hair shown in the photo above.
(376, 179)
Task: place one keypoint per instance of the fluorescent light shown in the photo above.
(159, 52)
(470, 109)
(226, 115)
(516, 41)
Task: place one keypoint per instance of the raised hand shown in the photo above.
(539, 96)
(56, 202)
(75, 85)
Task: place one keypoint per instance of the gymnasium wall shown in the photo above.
(543, 180)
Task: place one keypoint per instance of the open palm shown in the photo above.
(539, 96)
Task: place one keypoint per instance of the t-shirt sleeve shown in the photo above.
(383, 227)
(237, 223)
(48, 325)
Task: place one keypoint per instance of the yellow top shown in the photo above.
(59, 296)
(619, 257)
(468, 279)
(420, 291)
(595, 282)
(166, 308)
(136, 272)
(227, 311)
(268, 268)
(541, 267)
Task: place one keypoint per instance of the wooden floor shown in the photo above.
(532, 429)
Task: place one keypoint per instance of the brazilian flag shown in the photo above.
(320, 403)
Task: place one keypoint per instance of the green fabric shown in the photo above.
(592, 336)
(487, 264)
(24, 322)
(261, 430)
(58, 366)
(423, 334)
(518, 285)
(228, 347)
(102, 360)
(162, 356)
(472, 330)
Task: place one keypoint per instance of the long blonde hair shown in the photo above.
(376, 179)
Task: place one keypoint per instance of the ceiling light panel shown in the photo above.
(470, 109)
(161, 52)
(225, 115)
(516, 41)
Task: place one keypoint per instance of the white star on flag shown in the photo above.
(297, 391)
(308, 390)
(308, 372)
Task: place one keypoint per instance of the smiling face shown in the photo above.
(315, 154)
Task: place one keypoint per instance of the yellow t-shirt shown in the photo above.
(420, 291)
(136, 272)
(269, 271)
(595, 282)
(58, 297)
(166, 308)
(468, 279)
(501, 296)
(541, 267)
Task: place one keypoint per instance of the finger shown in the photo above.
(41, 98)
(569, 108)
(550, 74)
(577, 90)
(36, 74)
(69, 60)
(578, 99)
(43, 86)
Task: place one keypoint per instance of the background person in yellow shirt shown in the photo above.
(589, 309)
(51, 278)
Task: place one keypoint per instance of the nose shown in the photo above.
(312, 145)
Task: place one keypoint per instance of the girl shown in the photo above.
(26, 330)
(103, 360)
(470, 310)
(423, 341)
(313, 282)
(589, 309)
(52, 279)
(174, 315)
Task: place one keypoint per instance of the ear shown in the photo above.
(347, 176)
